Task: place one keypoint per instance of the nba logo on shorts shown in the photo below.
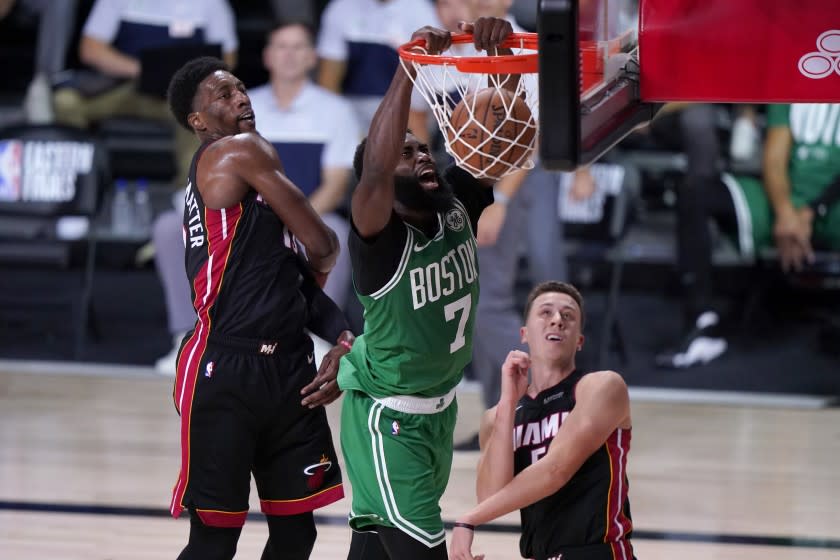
(208, 372)
(395, 428)
(11, 158)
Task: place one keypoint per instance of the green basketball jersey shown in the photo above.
(815, 154)
(418, 327)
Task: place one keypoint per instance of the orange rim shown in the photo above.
(498, 64)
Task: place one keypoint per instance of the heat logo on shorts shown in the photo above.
(316, 473)
(825, 60)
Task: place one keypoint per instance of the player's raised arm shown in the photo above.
(495, 466)
(373, 199)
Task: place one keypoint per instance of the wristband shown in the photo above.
(346, 344)
(464, 526)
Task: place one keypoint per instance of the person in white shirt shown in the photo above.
(114, 35)
(357, 47)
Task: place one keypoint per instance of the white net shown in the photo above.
(487, 142)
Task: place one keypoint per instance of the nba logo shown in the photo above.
(11, 158)
(395, 428)
(208, 372)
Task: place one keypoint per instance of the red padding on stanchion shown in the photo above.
(761, 51)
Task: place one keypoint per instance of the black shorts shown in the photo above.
(621, 550)
(240, 414)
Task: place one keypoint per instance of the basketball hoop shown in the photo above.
(458, 78)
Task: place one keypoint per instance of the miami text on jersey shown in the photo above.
(537, 433)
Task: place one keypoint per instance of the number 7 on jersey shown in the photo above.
(463, 305)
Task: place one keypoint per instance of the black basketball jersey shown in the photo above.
(591, 512)
(242, 266)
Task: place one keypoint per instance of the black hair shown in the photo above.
(359, 156)
(184, 85)
(553, 286)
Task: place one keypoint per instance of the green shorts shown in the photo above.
(755, 217)
(398, 465)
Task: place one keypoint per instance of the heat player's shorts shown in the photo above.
(240, 412)
(398, 465)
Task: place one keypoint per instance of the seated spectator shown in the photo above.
(793, 206)
(113, 39)
(315, 133)
(693, 129)
(357, 46)
(55, 28)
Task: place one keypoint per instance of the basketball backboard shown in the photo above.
(589, 79)
(606, 66)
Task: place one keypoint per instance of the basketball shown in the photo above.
(491, 132)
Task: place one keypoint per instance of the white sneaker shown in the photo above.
(701, 345)
(167, 365)
(38, 101)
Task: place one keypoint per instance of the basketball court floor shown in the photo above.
(89, 453)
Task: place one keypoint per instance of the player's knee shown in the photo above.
(210, 543)
(291, 536)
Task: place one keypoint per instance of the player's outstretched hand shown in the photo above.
(461, 545)
(437, 40)
(324, 388)
(488, 32)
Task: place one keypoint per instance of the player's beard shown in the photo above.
(411, 194)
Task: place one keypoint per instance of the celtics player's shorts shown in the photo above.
(398, 462)
(755, 217)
